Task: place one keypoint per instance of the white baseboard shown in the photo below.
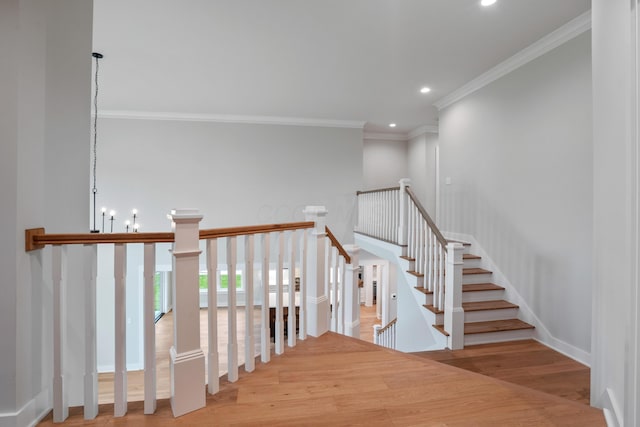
(611, 409)
(541, 333)
(31, 413)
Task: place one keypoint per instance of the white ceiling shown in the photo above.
(352, 60)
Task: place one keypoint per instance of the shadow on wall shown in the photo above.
(465, 210)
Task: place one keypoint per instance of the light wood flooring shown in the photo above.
(164, 340)
(527, 363)
(338, 381)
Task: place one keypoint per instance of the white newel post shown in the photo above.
(402, 220)
(453, 311)
(187, 358)
(352, 294)
(317, 302)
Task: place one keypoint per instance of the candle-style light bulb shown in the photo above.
(112, 213)
(127, 223)
(135, 214)
(104, 211)
(135, 227)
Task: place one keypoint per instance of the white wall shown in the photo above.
(421, 164)
(384, 163)
(44, 110)
(519, 155)
(616, 298)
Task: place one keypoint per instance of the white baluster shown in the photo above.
(149, 328)
(376, 334)
(352, 294)
(334, 289)
(120, 379)
(213, 358)
(303, 287)
(279, 324)
(249, 339)
(428, 284)
(291, 318)
(402, 211)
(90, 255)
(341, 295)
(232, 346)
(265, 339)
(442, 278)
(453, 311)
(59, 277)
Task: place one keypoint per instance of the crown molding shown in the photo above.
(225, 118)
(422, 130)
(386, 136)
(568, 31)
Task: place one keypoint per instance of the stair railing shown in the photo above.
(395, 215)
(299, 250)
(385, 336)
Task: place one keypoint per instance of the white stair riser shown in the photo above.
(472, 263)
(491, 337)
(482, 296)
(405, 265)
(486, 315)
(476, 278)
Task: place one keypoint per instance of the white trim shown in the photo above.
(31, 412)
(386, 136)
(568, 31)
(422, 130)
(611, 409)
(227, 118)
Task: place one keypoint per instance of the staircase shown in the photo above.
(487, 316)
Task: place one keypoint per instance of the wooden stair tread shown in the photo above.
(408, 258)
(432, 309)
(440, 328)
(475, 271)
(473, 287)
(495, 326)
(471, 256)
(423, 290)
(487, 305)
(415, 273)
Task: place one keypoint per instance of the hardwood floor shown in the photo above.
(527, 363)
(336, 380)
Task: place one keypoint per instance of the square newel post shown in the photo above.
(187, 358)
(453, 311)
(402, 214)
(317, 300)
(352, 294)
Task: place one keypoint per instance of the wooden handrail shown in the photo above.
(390, 324)
(336, 244)
(253, 229)
(37, 238)
(381, 190)
(426, 216)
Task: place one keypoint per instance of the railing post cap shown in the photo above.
(405, 182)
(185, 214)
(455, 245)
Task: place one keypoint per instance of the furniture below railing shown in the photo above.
(385, 336)
(395, 215)
(318, 269)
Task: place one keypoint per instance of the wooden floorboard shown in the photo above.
(527, 363)
(338, 381)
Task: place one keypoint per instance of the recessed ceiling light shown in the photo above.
(392, 125)
(425, 90)
(487, 2)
